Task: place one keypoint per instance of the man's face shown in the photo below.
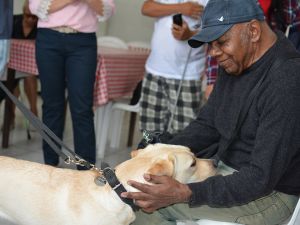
(234, 51)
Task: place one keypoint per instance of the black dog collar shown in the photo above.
(115, 184)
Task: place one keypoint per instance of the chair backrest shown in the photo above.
(295, 219)
(110, 41)
(139, 45)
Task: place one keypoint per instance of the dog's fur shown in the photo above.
(36, 194)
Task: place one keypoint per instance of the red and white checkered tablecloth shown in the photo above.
(22, 56)
(118, 70)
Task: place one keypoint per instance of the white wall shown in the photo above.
(18, 4)
(128, 23)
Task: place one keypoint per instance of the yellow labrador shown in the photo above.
(36, 194)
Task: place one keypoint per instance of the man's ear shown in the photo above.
(255, 30)
(162, 167)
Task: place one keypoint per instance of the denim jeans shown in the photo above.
(68, 62)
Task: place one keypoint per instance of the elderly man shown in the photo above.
(250, 126)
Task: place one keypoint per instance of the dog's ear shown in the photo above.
(162, 167)
(134, 153)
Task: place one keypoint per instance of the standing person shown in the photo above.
(258, 167)
(166, 65)
(6, 20)
(66, 54)
(25, 27)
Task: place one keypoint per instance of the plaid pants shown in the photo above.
(158, 100)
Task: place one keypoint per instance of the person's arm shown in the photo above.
(42, 8)
(103, 8)
(57, 5)
(155, 9)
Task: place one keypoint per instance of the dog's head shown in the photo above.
(170, 160)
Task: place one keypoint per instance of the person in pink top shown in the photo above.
(66, 56)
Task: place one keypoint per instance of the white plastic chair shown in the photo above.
(119, 108)
(139, 45)
(294, 220)
(113, 118)
(111, 41)
(103, 113)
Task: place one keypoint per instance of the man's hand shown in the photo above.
(183, 32)
(192, 9)
(163, 191)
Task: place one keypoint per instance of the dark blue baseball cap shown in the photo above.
(220, 15)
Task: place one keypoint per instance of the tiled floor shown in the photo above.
(22, 148)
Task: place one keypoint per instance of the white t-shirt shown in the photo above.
(168, 56)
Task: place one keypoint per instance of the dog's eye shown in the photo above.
(193, 163)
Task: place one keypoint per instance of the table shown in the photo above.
(118, 72)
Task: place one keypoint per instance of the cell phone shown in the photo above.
(177, 19)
